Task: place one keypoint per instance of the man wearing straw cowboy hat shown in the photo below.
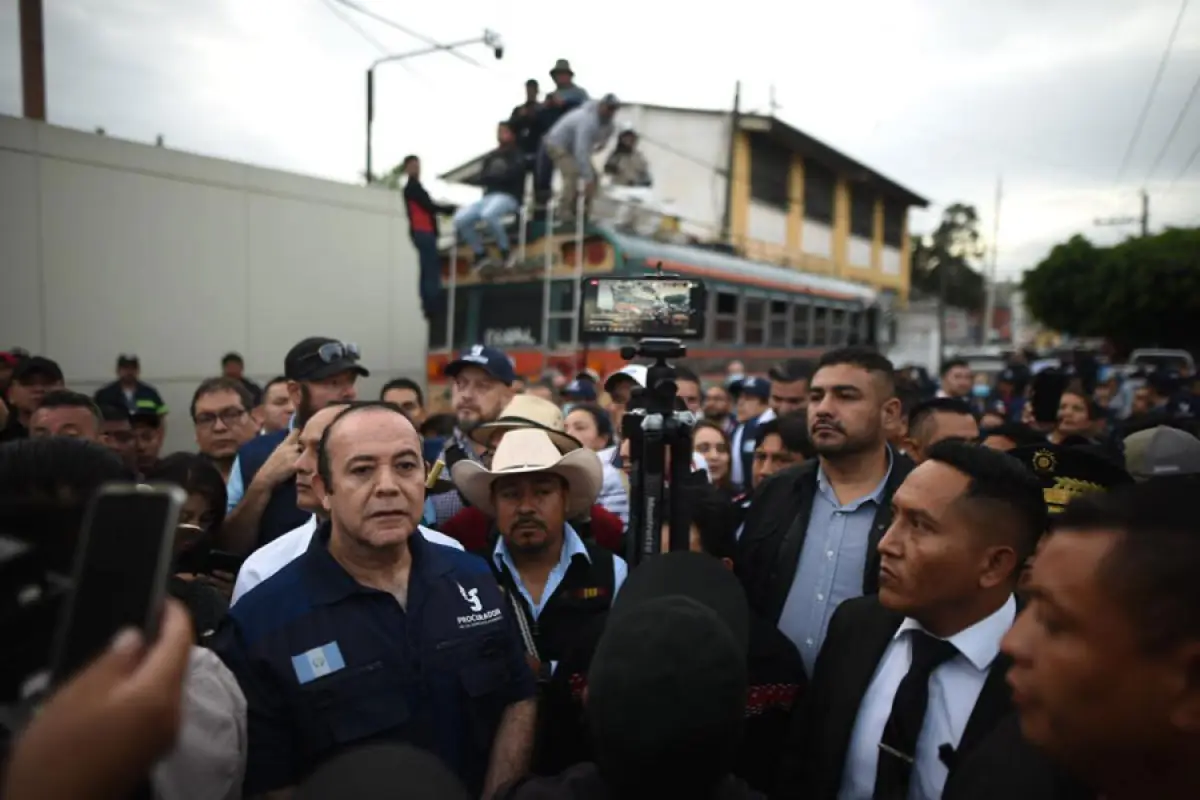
(471, 527)
(557, 584)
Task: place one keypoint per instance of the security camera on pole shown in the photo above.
(490, 39)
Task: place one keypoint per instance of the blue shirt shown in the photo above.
(572, 547)
(235, 487)
(831, 565)
(325, 663)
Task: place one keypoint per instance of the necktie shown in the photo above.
(898, 745)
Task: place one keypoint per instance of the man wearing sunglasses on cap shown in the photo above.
(262, 486)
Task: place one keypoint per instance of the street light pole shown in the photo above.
(489, 38)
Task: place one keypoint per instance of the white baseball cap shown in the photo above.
(634, 372)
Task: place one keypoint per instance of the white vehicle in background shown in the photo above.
(1153, 359)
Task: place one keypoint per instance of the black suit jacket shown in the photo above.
(822, 724)
(776, 524)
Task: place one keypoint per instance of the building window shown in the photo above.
(893, 223)
(819, 182)
(777, 324)
(800, 324)
(562, 296)
(755, 321)
(837, 328)
(770, 173)
(725, 318)
(862, 212)
(820, 327)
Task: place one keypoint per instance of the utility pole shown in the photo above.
(734, 127)
(989, 308)
(33, 60)
(1143, 220)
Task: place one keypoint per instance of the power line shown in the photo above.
(1191, 160)
(1162, 67)
(366, 12)
(344, 17)
(1175, 128)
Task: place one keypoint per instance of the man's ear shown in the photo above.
(295, 393)
(321, 488)
(728, 562)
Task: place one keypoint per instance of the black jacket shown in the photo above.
(859, 633)
(776, 524)
(503, 172)
(524, 124)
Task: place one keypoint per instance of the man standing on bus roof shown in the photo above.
(570, 145)
(423, 230)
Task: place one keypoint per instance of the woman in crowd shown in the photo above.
(1078, 416)
(710, 441)
(591, 425)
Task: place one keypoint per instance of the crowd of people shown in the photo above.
(894, 588)
(561, 132)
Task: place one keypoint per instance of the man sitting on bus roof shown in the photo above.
(503, 179)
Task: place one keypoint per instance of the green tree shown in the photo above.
(392, 179)
(944, 259)
(1142, 292)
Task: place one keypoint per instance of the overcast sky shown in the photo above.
(941, 96)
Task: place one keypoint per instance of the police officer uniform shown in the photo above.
(326, 663)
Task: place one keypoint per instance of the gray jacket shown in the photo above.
(581, 133)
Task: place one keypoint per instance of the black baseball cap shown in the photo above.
(378, 771)
(1068, 472)
(320, 357)
(37, 366)
(492, 360)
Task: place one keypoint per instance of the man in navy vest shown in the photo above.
(262, 485)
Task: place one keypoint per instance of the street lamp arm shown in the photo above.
(429, 50)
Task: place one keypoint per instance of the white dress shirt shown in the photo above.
(954, 688)
(278, 553)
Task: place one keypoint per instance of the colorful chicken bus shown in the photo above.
(757, 313)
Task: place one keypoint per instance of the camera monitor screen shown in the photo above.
(642, 307)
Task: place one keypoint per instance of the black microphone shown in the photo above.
(947, 755)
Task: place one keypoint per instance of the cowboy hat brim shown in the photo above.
(581, 469)
(483, 434)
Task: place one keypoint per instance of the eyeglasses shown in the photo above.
(336, 351)
(229, 417)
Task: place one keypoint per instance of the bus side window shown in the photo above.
(725, 318)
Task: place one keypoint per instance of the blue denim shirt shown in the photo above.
(831, 566)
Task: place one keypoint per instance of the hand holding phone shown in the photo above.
(121, 571)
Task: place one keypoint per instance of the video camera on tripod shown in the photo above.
(661, 310)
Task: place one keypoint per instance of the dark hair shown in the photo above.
(195, 474)
(792, 430)
(272, 382)
(403, 383)
(531, 82)
(114, 414)
(1094, 411)
(865, 358)
(45, 485)
(603, 421)
(1015, 503)
(952, 363)
(232, 358)
(1018, 433)
(65, 398)
(222, 384)
(408, 159)
(1152, 567)
(713, 515)
(323, 468)
(685, 374)
(923, 412)
(438, 425)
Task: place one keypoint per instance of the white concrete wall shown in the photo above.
(688, 154)
(858, 253)
(767, 224)
(816, 239)
(109, 246)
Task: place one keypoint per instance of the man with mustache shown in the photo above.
(810, 536)
(557, 583)
(274, 556)
(911, 682)
(377, 633)
(482, 386)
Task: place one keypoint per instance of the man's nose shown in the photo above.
(350, 393)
